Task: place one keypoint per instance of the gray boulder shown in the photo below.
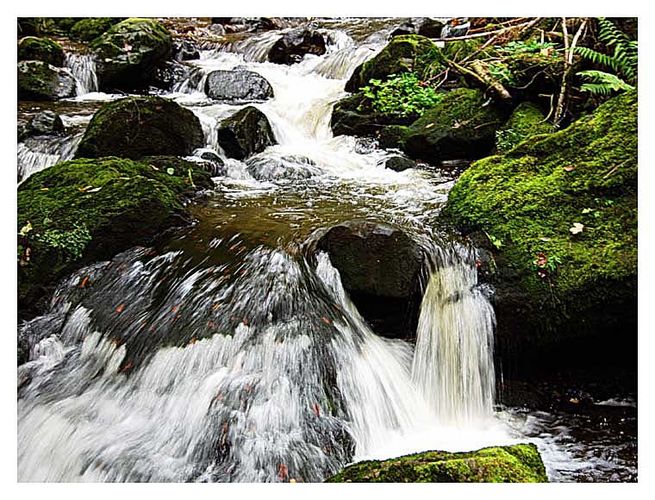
(240, 85)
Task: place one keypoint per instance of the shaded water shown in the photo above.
(232, 353)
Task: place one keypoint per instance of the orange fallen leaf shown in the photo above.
(120, 308)
(84, 282)
(282, 472)
(569, 168)
(326, 320)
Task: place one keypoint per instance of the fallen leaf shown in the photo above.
(94, 190)
(120, 308)
(543, 238)
(84, 282)
(316, 409)
(326, 320)
(569, 168)
(576, 228)
(282, 472)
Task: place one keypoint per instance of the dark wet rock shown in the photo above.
(40, 81)
(423, 26)
(457, 26)
(295, 44)
(519, 463)
(353, 116)
(245, 133)
(169, 73)
(211, 162)
(128, 53)
(240, 85)
(45, 123)
(32, 48)
(87, 210)
(399, 163)
(289, 167)
(185, 51)
(462, 125)
(140, 126)
(380, 267)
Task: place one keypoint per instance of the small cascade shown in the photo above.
(83, 69)
(38, 153)
(453, 362)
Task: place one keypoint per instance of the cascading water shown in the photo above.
(229, 354)
(83, 69)
(37, 153)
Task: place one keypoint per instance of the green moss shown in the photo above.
(32, 48)
(117, 202)
(532, 196)
(140, 126)
(39, 81)
(461, 125)
(91, 28)
(129, 51)
(526, 120)
(507, 464)
(402, 54)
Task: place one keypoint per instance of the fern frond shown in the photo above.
(599, 82)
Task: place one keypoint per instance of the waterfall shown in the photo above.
(83, 69)
(38, 153)
(453, 364)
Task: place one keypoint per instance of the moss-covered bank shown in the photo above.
(32, 48)
(559, 213)
(519, 463)
(86, 210)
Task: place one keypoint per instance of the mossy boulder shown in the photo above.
(526, 120)
(403, 53)
(245, 133)
(353, 115)
(559, 214)
(462, 125)
(140, 126)
(519, 463)
(85, 210)
(90, 28)
(128, 53)
(32, 48)
(40, 81)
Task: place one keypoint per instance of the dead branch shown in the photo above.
(480, 73)
(568, 64)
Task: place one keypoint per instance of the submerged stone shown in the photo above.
(520, 463)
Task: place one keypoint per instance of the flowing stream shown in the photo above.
(232, 353)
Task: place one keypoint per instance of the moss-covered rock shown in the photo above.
(85, 210)
(519, 463)
(39, 81)
(559, 212)
(462, 125)
(128, 53)
(90, 28)
(140, 126)
(353, 116)
(245, 133)
(32, 48)
(403, 53)
(526, 120)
